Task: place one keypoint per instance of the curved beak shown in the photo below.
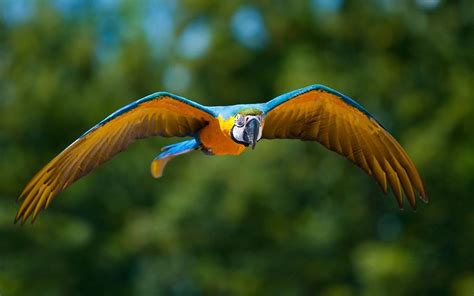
(252, 129)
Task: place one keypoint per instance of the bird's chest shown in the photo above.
(216, 138)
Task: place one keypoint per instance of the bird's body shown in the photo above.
(314, 113)
(216, 138)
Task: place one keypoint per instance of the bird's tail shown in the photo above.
(169, 152)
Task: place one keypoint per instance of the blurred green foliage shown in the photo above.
(289, 218)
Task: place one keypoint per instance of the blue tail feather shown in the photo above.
(179, 148)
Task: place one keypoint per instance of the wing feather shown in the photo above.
(159, 114)
(318, 113)
(379, 174)
(394, 183)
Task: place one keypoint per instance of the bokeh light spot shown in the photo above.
(428, 4)
(248, 27)
(195, 39)
(70, 8)
(17, 11)
(327, 5)
(109, 38)
(107, 4)
(158, 24)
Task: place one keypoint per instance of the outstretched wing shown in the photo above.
(318, 113)
(160, 114)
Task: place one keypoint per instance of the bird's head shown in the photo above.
(247, 128)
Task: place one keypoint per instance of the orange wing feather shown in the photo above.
(162, 115)
(318, 115)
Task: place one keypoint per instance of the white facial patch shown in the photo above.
(238, 130)
(238, 133)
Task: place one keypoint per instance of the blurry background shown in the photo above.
(289, 218)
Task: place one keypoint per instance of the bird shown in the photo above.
(313, 113)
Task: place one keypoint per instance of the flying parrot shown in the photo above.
(314, 113)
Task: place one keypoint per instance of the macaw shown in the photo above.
(314, 113)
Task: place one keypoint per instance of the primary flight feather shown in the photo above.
(314, 113)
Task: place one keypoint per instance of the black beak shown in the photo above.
(252, 129)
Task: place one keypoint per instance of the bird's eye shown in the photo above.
(240, 121)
